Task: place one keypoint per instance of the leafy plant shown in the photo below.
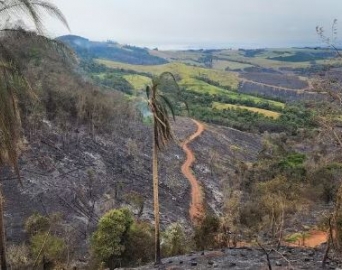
(108, 240)
(47, 247)
(174, 240)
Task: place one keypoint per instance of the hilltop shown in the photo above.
(111, 50)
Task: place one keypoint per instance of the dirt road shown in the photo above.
(196, 210)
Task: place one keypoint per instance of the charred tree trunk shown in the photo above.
(2, 234)
(156, 203)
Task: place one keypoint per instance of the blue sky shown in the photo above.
(199, 23)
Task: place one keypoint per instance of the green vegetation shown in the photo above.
(174, 241)
(121, 241)
(205, 233)
(296, 237)
(212, 98)
(48, 248)
(138, 82)
(267, 113)
(108, 239)
(181, 71)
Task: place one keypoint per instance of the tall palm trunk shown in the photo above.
(156, 202)
(2, 235)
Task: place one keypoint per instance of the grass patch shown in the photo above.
(138, 82)
(267, 113)
(296, 237)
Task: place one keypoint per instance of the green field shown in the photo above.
(189, 79)
(181, 70)
(138, 82)
(240, 59)
(267, 113)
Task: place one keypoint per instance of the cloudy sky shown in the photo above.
(200, 23)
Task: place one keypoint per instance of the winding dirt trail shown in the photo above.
(196, 206)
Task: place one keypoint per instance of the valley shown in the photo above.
(254, 160)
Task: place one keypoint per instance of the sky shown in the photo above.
(184, 24)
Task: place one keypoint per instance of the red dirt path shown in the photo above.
(196, 206)
(314, 239)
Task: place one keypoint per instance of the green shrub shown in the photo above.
(108, 241)
(174, 241)
(47, 246)
(139, 245)
(205, 233)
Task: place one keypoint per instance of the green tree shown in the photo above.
(174, 240)
(108, 241)
(205, 233)
(139, 244)
(12, 82)
(160, 106)
(47, 248)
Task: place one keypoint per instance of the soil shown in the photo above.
(315, 239)
(196, 210)
(249, 258)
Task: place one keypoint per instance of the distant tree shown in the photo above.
(160, 106)
(12, 82)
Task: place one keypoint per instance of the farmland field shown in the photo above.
(138, 82)
(181, 70)
(267, 113)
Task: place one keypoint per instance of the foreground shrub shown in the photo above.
(205, 234)
(18, 256)
(109, 238)
(37, 223)
(174, 241)
(139, 246)
(47, 248)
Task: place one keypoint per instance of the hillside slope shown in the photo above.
(111, 50)
(87, 150)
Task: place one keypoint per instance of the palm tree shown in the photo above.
(160, 107)
(12, 81)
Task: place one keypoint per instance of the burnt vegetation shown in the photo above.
(85, 166)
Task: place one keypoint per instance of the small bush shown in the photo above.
(139, 246)
(205, 233)
(18, 256)
(174, 241)
(109, 238)
(37, 224)
(47, 246)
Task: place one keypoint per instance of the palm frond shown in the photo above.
(169, 105)
(33, 9)
(160, 106)
(148, 91)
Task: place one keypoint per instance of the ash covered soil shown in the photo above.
(248, 259)
(82, 177)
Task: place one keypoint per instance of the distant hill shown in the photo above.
(88, 49)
